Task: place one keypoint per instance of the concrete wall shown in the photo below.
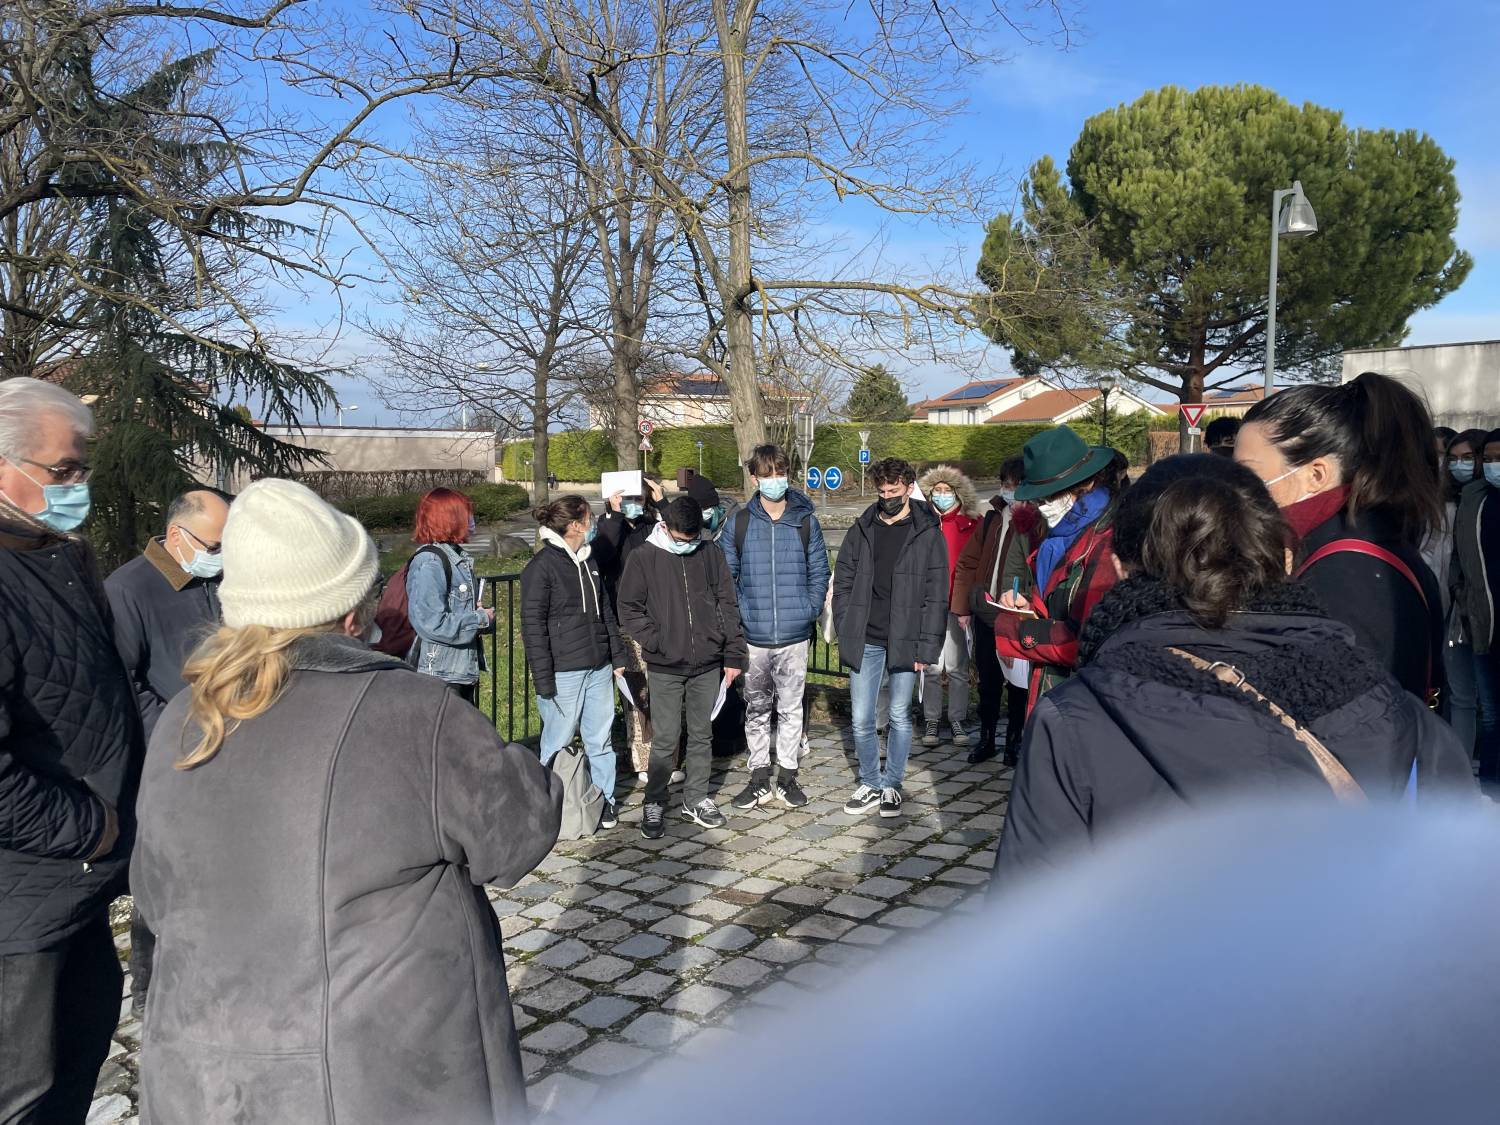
(1460, 381)
(367, 449)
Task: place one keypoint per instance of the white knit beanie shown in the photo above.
(291, 561)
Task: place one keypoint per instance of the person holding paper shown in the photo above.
(677, 600)
(572, 642)
(890, 607)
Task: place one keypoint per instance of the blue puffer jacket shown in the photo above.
(781, 588)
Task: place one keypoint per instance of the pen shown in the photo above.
(1015, 589)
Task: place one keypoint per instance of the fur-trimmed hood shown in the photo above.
(968, 498)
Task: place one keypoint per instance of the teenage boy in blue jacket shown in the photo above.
(779, 563)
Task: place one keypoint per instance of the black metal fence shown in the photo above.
(505, 689)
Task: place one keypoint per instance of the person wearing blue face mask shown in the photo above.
(70, 746)
(677, 600)
(1476, 584)
(165, 601)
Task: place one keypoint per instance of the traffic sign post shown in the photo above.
(864, 459)
(833, 477)
(1192, 414)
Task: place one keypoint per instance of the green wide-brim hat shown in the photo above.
(1057, 460)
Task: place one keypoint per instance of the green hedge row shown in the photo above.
(978, 450)
(492, 503)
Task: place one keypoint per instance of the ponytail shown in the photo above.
(1379, 432)
(557, 515)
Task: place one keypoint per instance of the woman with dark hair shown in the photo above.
(1476, 583)
(442, 595)
(572, 642)
(1205, 673)
(1042, 611)
(1459, 461)
(1352, 469)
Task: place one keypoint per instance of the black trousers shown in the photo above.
(58, 1010)
(670, 696)
(469, 693)
(991, 678)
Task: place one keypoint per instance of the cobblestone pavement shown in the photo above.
(623, 950)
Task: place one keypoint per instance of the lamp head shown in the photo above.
(1297, 217)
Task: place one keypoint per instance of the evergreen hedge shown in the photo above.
(492, 503)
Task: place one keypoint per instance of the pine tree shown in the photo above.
(877, 397)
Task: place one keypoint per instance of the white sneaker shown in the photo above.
(678, 777)
(642, 775)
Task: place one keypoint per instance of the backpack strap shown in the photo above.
(742, 529)
(1374, 551)
(1339, 779)
(435, 549)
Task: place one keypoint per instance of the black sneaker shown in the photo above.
(611, 817)
(930, 738)
(862, 800)
(788, 791)
(705, 812)
(890, 802)
(756, 792)
(653, 822)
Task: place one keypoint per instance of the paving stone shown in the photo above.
(803, 896)
(943, 851)
(838, 880)
(603, 968)
(612, 930)
(522, 977)
(780, 995)
(789, 870)
(685, 849)
(564, 955)
(770, 830)
(849, 956)
(665, 868)
(628, 856)
(641, 946)
(766, 916)
(613, 900)
(861, 864)
(655, 1029)
(112, 1079)
(910, 917)
(915, 868)
(888, 849)
(869, 935)
(742, 972)
(544, 910)
(688, 957)
(609, 1058)
(822, 927)
(970, 836)
(524, 1019)
(648, 885)
(504, 907)
(683, 894)
(713, 909)
(106, 1110)
(756, 885)
(534, 891)
(711, 1042)
(937, 898)
(614, 878)
(679, 927)
(554, 996)
(741, 844)
(882, 887)
(812, 975)
(780, 951)
(603, 1011)
(853, 906)
(714, 877)
(787, 846)
(696, 1000)
(648, 984)
(984, 860)
(969, 876)
(646, 912)
(727, 939)
(555, 1037)
(819, 855)
(562, 1097)
(514, 925)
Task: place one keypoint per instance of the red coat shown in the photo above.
(957, 528)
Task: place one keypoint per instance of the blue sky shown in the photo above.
(1384, 64)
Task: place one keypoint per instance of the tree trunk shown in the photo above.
(1192, 389)
(540, 419)
(626, 400)
(745, 400)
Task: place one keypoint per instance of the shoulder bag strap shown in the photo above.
(1344, 787)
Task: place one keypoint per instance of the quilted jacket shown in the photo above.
(70, 739)
(781, 586)
(559, 633)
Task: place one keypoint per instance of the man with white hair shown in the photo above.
(70, 754)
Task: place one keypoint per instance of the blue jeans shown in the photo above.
(585, 701)
(1487, 683)
(864, 688)
(1459, 708)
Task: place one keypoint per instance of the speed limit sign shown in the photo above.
(646, 427)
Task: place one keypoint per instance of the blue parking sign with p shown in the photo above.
(814, 477)
(833, 476)
(864, 456)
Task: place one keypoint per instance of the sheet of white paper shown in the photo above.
(482, 583)
(921, 676)
(625, 691)
(1017, 672)
(627, 481)
(719, 703)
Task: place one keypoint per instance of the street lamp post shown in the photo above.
(350, 409)
(1106, 383)
(1296, 220)
(699, 444)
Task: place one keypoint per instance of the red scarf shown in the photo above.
(1314, 511)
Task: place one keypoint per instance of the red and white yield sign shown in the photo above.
(646, 427)
(1193, 412)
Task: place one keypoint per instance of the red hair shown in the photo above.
(443, 517)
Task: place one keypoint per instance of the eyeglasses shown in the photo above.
(211, 548)
(64, 472)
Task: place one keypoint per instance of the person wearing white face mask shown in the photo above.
(952, 495)
(1076, 488)
(165, 601)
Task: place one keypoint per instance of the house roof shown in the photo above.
(1047, 405)
(1235, 396)
(970, 394)
(705, 384)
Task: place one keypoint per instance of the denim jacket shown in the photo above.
(447, 629)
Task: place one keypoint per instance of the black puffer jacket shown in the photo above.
(681, 609)
(615, 539)
(1139, 731)
(919, 592)
(567, 621)
(70, 739)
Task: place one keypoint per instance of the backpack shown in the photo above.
(742, 529)
(396, 633)
(583, 802)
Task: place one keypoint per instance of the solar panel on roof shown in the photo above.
(978, 390)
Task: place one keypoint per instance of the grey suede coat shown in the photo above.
(326, 953)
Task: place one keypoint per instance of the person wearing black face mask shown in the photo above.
(890, 608)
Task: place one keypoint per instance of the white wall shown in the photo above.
(1461, 382)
